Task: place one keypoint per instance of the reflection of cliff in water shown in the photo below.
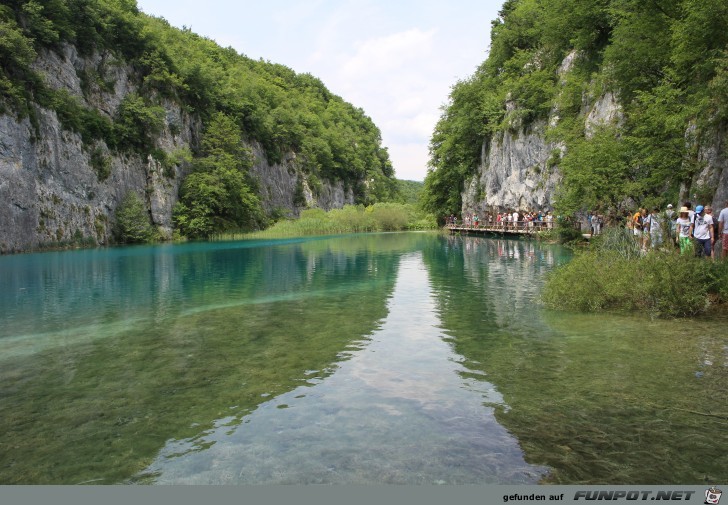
(599, 398)
(135, 347)
(493, 280)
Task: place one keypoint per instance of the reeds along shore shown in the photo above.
(614, 273)
(349, 219)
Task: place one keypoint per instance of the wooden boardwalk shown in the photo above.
(517, 231)
(522, 229)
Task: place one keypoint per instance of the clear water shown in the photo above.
(393, 358)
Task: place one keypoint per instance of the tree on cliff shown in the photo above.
(132, 224)
(218, 196)
(666, 61)
(167, 68)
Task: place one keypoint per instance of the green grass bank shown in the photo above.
(349, 219)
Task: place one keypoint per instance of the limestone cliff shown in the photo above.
(51, 190)
(519, 167)
(515, 172)
(285, 188)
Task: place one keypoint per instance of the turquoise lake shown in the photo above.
(396, 358)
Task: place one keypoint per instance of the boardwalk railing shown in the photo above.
(517, 228)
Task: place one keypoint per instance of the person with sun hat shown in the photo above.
(682, 230)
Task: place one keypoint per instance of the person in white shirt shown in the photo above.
(702, 230)
(723, 229)
(654, 227)
(691, 212)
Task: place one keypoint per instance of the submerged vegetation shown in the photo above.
(613, 275)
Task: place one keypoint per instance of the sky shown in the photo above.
(396, 59)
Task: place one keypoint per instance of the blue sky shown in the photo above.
(395, 59)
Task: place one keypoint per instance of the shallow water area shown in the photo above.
(403, 358)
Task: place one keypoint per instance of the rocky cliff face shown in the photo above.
(285, 188)
(519, 167)
(51, 193)
(713, 157)
(515, 172)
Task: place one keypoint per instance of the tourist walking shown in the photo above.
(670, 212)
(682, 231)
(723, 230)
(670, 221)
(702, 230)
(597, 220)
(709, 212)
(641, 231)
(636, 223)
(654, 228)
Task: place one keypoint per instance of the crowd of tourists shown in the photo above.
(689, 229)
(509, 220)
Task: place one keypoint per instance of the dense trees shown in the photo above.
(217, 196)
(666, 60)
(132, 225)
(263, 102)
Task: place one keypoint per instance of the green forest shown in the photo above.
(235, 98)
(666, 61)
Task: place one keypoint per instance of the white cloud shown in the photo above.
(389, 76)
(387, 54)
(411, 127)
(412, 160)
(396, 60)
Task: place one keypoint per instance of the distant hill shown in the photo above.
(409, 191)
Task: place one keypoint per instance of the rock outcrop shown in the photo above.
(51, 193)
(519, 167)
(285, 188)
(515, 172)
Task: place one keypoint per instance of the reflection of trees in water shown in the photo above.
(500, 278)
(219, 331)
(587, 395)
(47, 292)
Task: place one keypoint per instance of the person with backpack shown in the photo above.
(702, 230)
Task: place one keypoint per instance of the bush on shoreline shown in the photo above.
(610, 276)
